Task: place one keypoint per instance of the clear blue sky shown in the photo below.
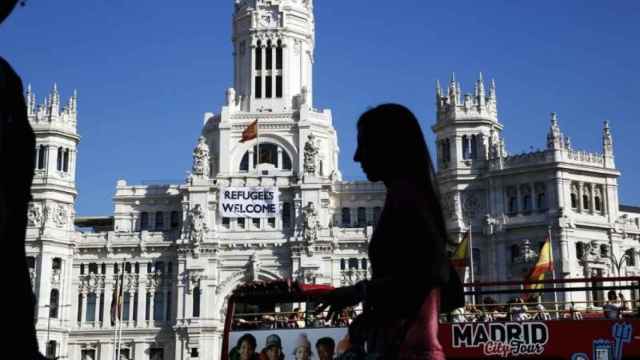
(147, 70)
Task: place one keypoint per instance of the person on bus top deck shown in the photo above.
(411, 274)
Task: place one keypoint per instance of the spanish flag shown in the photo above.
(116, 300)
(251, 132)
(543, 266)
(460, 256)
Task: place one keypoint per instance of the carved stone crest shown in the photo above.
(60, 215)
(201, 158)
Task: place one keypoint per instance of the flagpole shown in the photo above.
(258, 143)
(115, 330)
(553, 272)
(473, 288)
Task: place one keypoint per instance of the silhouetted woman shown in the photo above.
(409, 264)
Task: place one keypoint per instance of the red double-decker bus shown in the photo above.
(281, 314)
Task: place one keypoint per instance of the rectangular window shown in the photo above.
(79, 307)
(175, 219)
(147, 307)
(346, 217)
(101, 311)
(269, 58)
(258, 87)
(268, 88)
(65, 163)
(241, 223)
(286, 215)
(125, 306)
(91, 307)
(225, 222)
(159, 220)
(59, 160)
(279, 86)
(144, 220)
(135, 306)
(362, 216)
(168, 315)
(272, 222)
(259, 57)
(279, 57)
(256, 223)
(158, 308)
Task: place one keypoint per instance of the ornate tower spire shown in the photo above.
(480, 91)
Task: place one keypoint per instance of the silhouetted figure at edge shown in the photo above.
(17, 147)
(412, 281)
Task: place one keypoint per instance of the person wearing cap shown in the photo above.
(325, 347)
(272, 348)
(302, 349)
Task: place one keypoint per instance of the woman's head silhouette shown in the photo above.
(391, 146)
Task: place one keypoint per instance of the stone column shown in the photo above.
(152, 306)
(518, 200)
(142, 302)
(532, 197)
(108, 294)
(263, 67)
(132, 294)
(83, 314)
(592, 200)
(580, 189)
(251, 159)
(279, 157)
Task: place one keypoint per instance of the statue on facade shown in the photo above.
(310, 153)
(201, 158)
(528, 254)
(489, 225)
(197, 225)
(254, 267)
(311, 223)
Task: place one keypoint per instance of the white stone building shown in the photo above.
(182, 259)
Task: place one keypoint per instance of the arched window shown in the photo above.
(515, 252)
(127, 268)
(630, 257)
(525, 190)
(93, 268)
(175, 219)
(579, 250)
(597, 202)
(269, 51)
(59, 159)
(604, 251)
(353, 263)
(144, 220)
(447, 148)
(586, 203)
(346, 217)
(125, 306)
(103, 268)
(574, 196)
(279, 55)
(159, 220)
(159, 267)
(158, 310)
(81, 269)
(65, 162)
(363, 264)
(541, 196)
(259, 55)
(286, 215)
(54, 298)
(474, 147)
(196, 302)
(51, 349)
(79, 307)
(466, 154)
(512, 200)
(268, 155)
(343, 264)
(91, 307)
(137, 268)
(42, 157)
(362, 216)
(56, 264)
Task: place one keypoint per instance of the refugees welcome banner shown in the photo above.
(251, 202)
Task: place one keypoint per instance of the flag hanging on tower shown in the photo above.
(460, 256)
(543, 265)
(251, 132)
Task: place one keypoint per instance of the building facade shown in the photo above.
(180, 259)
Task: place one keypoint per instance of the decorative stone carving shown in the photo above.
(310, 154)
(489, 225)
(527, 255)
(197, 225)
(201, 158)
(591, 252)
(35, 215)
(60, 215)
(311, 223)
